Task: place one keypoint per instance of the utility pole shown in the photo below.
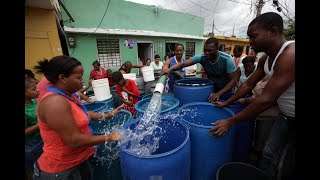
(212, 25)
(233, 31)
(259, 7)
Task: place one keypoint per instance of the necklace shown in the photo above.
(216, 60)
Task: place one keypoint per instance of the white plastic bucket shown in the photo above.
(148, 73)
(131, 76)
(100, 81)
(101, 89)
(140, 83)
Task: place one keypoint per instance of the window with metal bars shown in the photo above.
(190, 48)
(108, 53)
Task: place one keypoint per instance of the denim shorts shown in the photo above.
(82, 171)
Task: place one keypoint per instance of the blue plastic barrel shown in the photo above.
(169, 105)
(207, 153)
(171, 161)
(142, 94)
(97, 106)
(192, 90)
(244, 133)
(149, 95)
(227, 95)
(109, 103)
(102, 126)
(104, 169)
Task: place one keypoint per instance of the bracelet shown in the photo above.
(101, 116)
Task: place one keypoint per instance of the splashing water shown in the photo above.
(164, 105)
(192, 113)
(107, 153)
(144, 138)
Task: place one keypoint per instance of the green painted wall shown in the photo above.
(128, 15)
(86, 49)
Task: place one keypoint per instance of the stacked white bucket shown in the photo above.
(148, 76)
(148, 73)
(101, 89)
(131, 76)
(138, 80)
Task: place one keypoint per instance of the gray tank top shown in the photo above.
(286, 101)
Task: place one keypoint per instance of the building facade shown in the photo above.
(115, 31)
(232, 41)
(41, 32)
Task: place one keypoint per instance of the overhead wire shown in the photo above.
(179, 5)
(243, 19)
(239, 2)
(105, 12)
(200, 6)
(286, 8)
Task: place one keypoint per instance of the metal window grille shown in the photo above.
(109, 53)
(190, 48)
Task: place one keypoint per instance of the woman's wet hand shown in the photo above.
(115, 136)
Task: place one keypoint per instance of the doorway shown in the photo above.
(170, 48)
(145, 50)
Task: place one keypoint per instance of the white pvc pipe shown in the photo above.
(159, 88)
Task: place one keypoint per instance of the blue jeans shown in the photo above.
(282, 132)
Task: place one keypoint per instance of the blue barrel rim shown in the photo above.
(104, 101)
(103, 105)
(147, 95)
(163, 111)
(234, 104)
(201, 103)
(95, 102)
(129, 123)
(179, 83)
(109, 119)
(124, 110)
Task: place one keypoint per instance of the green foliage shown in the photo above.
(289, 32)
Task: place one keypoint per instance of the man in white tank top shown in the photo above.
(266, 35)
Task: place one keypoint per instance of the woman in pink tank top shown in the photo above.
(64, 123)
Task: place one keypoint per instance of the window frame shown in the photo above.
(105, 60)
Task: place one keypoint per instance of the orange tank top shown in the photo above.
(57, 156)
(237, 60)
